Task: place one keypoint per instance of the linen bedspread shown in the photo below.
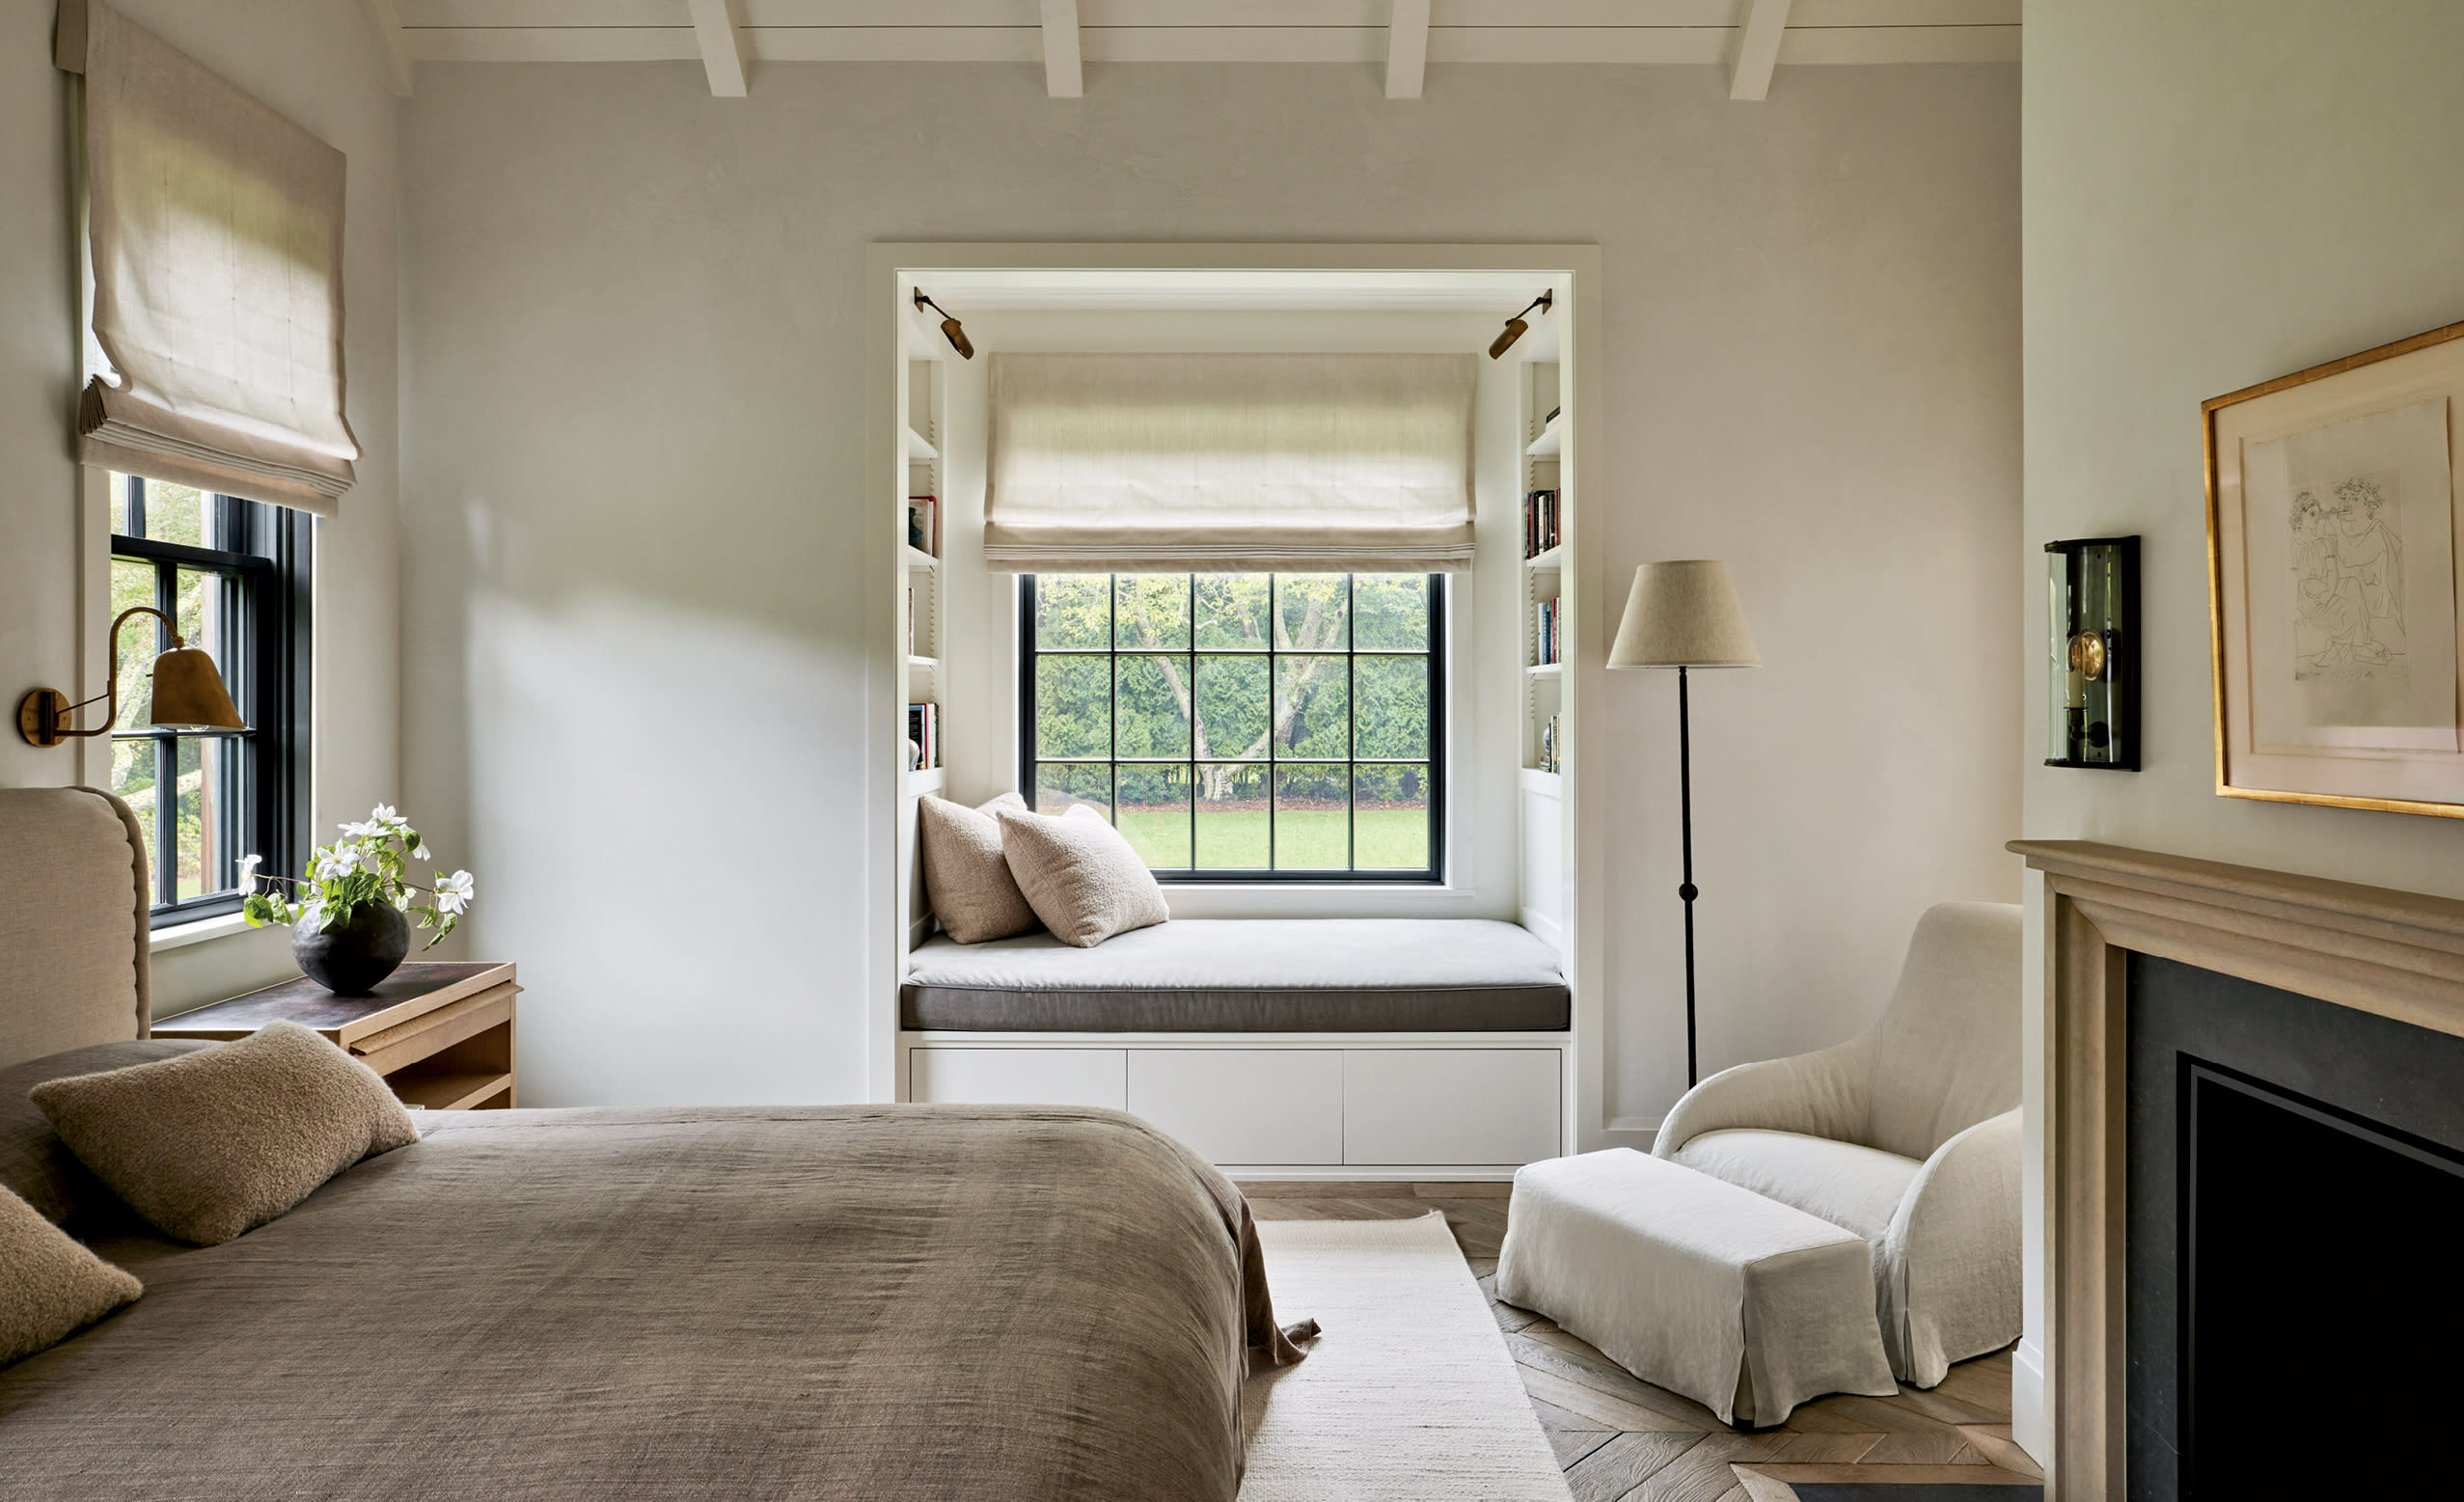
(885, 1304)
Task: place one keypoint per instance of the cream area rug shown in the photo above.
(1407, 1394)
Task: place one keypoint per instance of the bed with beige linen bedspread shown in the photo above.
(885, 1304)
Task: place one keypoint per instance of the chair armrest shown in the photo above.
(1819, 1094)
(1951, 1257)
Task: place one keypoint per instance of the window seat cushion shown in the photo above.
(1246, 975)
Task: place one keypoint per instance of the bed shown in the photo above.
(883, 1302)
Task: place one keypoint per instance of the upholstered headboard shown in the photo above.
(73, 925)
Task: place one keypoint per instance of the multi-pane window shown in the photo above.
(234, 575)
(1242, 725)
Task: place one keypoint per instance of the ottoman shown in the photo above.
(1743, 1304)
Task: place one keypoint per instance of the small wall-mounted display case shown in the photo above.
(2092, 718)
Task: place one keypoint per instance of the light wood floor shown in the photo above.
(1624, 1440)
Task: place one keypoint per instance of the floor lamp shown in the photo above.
(1684, 615)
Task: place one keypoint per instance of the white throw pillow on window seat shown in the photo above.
(1080, 875)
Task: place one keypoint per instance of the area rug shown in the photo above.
(1407, 1395)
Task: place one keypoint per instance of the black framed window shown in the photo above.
(234, 575)
(1243, 727)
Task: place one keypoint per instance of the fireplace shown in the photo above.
(2253, 1129)
(2296, 1208)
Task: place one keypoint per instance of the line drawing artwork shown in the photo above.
(2348, 580)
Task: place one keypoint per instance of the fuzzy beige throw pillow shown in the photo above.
(50, 1284)
(966, 877)
(1080, 875)
(214, 1143)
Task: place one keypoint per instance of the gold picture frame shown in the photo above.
(2335, 551)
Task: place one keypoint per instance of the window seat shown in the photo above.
(1281, 976)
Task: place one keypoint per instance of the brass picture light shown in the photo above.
(1515, 328)
(949, 328)
(188, 694)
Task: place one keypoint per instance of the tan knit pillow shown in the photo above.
(50, 1285)
(1080, 875)
(214, 1143)
(965, 876)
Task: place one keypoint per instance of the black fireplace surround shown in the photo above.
(2295, 1243)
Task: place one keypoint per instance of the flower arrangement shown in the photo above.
(368, 864)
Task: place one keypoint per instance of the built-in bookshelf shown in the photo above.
(923, 625)
(1544, 546)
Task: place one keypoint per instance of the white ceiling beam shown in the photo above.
(397, 54)
(1406, 48)
(719, 29)
(1064, 76)
(1758, 50)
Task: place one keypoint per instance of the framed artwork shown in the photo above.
(2333, 554)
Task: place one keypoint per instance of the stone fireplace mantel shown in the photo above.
(2398, 954)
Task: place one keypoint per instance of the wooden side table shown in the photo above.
(440, 1032)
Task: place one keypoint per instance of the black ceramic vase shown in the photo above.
(351, 958)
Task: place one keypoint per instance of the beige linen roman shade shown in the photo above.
(216, 233)
(1234, 463)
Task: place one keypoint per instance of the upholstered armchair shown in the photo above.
(1908, 1135)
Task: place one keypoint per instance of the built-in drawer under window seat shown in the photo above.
(1329, 1047)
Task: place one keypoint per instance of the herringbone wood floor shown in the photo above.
(1624, 1440)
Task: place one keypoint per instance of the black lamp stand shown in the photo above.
(1686, 890)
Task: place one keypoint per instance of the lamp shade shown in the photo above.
(1684, 614)
(189, 693)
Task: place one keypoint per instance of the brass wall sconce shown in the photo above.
(2091, 715)
(1517, 328)
(188, 694)
(949, 328)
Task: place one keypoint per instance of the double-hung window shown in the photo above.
(234, 575)
(1243, 727)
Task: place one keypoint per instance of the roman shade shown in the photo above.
(216, 233)
(1328, 463)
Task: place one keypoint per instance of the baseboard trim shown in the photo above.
(1646, 1128)
(2031, 1411)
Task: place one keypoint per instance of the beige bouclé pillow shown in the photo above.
(966, 877)
(1080, 875)
(214, 1143)
(50, 1285)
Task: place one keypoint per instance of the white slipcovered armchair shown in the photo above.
(1908, 1135)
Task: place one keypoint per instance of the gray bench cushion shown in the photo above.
(1246, 975)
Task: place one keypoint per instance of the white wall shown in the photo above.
(2214, 196)
(318, 63)
(634, 398)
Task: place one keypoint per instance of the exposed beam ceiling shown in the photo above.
(398, 53)
(1406, 48)
(1063, 76)
(1758, 50)
(1064, 35)
(718, 30)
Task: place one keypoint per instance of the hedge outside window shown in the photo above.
(1243, 727)
(235, 574)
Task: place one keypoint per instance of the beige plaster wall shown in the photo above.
(2216, 195)
(634, 398)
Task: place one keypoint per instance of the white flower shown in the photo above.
(422, 854)
(402, 899)
(454, 893)
(386, 818)
(332, 866)
(364, 831)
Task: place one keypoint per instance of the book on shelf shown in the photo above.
(923, 728)
(923, 524)
(1548, 648)
(1540, 522)
(1548, 748)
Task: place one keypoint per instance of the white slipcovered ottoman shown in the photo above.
(1742, 1303)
